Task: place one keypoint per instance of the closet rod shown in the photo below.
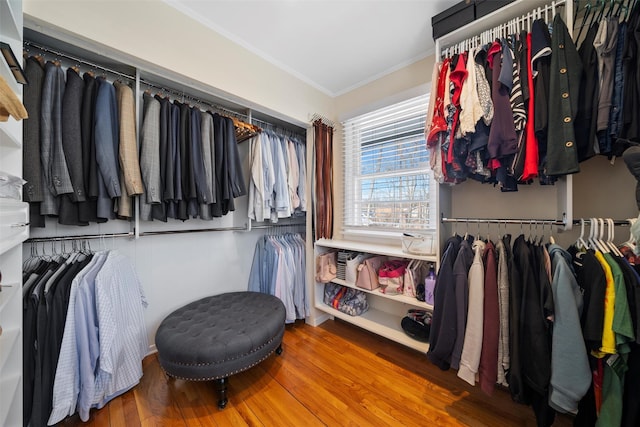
(78, 237)
(76, 59)
(193, 230)
(617, 222)
(184, 95)
(276, 128)
(277, 225)
(504, 221)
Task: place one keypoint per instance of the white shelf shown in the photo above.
(8, 293)
(9, 133)
(398, 298)
(380, 323)
(8, 340)
(14, 227)
(372, 248)
(9, 387)
(9, 21)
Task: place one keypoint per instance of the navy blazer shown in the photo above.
(106, 134)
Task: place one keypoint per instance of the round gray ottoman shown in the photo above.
(221, 335)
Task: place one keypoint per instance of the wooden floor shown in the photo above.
(332, 375)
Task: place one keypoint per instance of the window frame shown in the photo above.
(352, 158)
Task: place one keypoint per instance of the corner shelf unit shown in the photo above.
(14, 229)
(385, 311)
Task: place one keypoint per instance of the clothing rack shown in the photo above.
(280, 130)
(494, 26)
(77, 60)
(179, 94)
(132, 234)
(202, 103)
(559, 222)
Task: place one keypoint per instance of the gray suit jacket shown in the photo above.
(209, 166)
(31, 165)
(54, 165)
(150, 156)
(72, 133)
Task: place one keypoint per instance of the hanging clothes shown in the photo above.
(85, 335)
(277, 178)
(278, 268)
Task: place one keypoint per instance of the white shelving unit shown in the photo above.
(385, 311)
(14, 229)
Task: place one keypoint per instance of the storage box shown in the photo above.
(453, 18)
(485, 7)
(418, 244)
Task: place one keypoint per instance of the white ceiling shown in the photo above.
(335, 46)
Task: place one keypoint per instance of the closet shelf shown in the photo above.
(376, 292)
(9, 387)
(9, 132)
(379, 322)
(372, 248)
(8, 291)
(8, 340)
(9, 21)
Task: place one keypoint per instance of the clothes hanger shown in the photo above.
(631, 242)
(580, 243)
(611, 239)
(600, 239)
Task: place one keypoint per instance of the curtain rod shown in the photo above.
(76, 59)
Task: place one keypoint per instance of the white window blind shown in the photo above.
(387, 178)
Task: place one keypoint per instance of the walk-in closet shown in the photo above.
(319, 213)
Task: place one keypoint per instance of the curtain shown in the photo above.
(323, 141)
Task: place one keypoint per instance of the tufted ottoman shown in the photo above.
(221, 335)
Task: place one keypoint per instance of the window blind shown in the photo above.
(387, 178)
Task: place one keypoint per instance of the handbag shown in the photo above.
(347, 300)
(409, 288)
(326, 267)
(417, 324)
(391, 276)
(351, 274)
(368, 272)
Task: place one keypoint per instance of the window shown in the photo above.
(387, 178)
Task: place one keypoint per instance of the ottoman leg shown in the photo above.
(222, 392)
(279, 350)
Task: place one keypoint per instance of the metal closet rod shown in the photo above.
(131, 234)
(183, 95)
(278, 129)
(77, 60)
(79, 237)
(175, 92)
(620, 222)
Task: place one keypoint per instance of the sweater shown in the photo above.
(472, 348)
(570, 372)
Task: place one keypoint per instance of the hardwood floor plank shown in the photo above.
(272, 403)
(332, 375)
(153, 397)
